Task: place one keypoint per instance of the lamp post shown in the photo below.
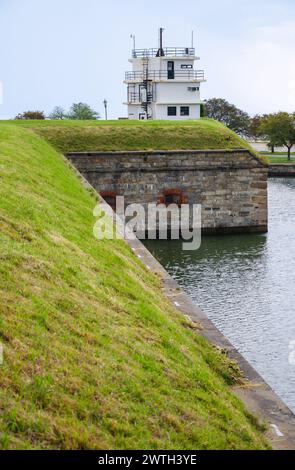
(105, 103)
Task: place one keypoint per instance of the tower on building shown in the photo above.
(163, 83)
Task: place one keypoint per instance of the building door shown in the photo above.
(170, 69)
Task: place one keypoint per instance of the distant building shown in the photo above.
(163, 83)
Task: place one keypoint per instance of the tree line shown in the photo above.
(78, 111)
(278, 129)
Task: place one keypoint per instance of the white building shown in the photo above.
(163, 83)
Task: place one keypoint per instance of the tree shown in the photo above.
(233, 117)
(279, 128)
(202, 110)
(58, 113)
(82, 111)
(31, 115)
(255, 127)
(254, 130)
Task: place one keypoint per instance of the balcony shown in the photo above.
(166, 52)
(163, 75)
(135, 98)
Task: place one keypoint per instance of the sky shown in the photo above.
(56, 52)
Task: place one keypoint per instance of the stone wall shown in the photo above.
(281, 170)
(231, 186)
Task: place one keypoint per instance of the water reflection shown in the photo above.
(245, 284)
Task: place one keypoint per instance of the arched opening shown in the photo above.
(172, 196)
(110, 198)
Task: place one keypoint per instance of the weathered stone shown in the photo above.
(259, 185)
(231, 186)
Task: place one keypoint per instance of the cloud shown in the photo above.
(258, 71)
(291, 93)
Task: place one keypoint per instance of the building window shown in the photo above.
(172, 111)
(186, 66)
(184, 110)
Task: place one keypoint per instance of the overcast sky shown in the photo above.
(56, 52)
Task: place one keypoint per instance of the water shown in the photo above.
(246, 286)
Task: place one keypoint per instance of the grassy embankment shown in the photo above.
(66, 136)
(94, 354)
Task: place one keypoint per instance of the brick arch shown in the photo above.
(172, 196)
(110, 198)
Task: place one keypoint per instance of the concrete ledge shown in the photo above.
(237, 230)
(161, 153)
(281, 170)
(156, 152)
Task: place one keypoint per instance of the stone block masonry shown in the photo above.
(231, 186)
(285, 170)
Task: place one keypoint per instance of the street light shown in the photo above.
(105, 103)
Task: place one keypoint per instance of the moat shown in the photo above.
(246, 286)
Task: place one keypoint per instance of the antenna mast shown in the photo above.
(132, 36)
(160, 52)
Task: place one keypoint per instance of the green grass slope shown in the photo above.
(67, 136)
(95, 357)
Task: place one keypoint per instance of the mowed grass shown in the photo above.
(280, 159)
(283, 154)
(95, 357)
(71, 136)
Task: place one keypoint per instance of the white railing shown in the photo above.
(165, 52)
(156, 75)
